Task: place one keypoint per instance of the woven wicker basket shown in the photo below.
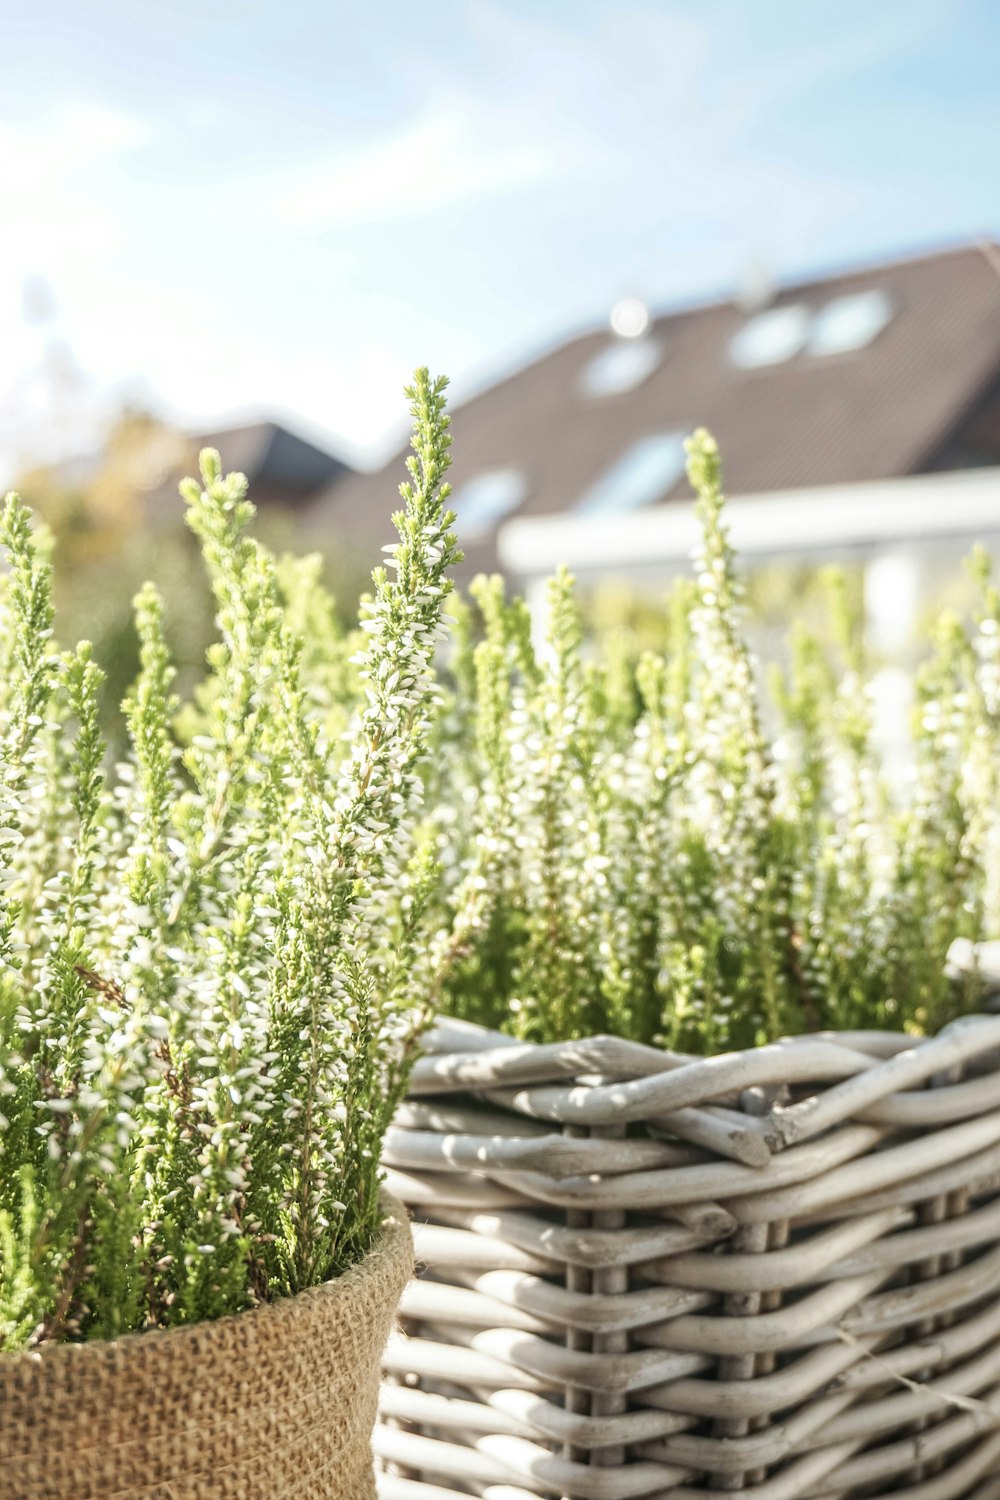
(775, 1272)
(273, 1404)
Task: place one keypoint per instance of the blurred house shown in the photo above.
(826, 397)
(131, 480)
(286, 472)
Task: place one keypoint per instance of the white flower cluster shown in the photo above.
(206, 1005)
(633, 851)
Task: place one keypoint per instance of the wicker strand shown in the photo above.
(629, 1300)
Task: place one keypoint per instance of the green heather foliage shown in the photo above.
(212, 984)
(217, 960)
(658, 851)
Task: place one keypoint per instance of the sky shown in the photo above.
(221, 209)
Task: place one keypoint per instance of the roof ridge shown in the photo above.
(984, 246)
(921, 257)
(990, 251)
(253, 425)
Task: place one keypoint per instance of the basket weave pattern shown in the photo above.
(273, 1404)
(774, 1273)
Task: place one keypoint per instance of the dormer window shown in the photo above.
(849, 323)
(620, 367)
(771, 337)
(482, 502)
(835, 327)
(643, 474)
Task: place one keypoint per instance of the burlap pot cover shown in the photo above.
(274, 1403)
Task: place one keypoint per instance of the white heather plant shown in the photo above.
(637, 852)
(211, 982)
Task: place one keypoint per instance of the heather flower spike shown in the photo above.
(657, 850)
(205, 1016)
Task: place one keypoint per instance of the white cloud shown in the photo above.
(62, 232)
(48, 167)
(637, 147)
(89, 131)
(40, 156)
(458, 152)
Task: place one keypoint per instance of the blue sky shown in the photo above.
(241, 206)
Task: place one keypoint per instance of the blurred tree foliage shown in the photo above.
(774, 595)
(115, 521)
(104, 548)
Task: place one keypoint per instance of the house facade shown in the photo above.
(863, 378)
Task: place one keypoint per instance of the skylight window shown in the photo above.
(771, 337)
(849, 322)
(620, 367)
(644, 473)
(483, 501)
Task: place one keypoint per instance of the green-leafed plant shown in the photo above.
(218, 959)
(212, 982)
(655, 849)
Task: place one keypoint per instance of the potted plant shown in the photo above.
(706, 1164)
(207, 1015)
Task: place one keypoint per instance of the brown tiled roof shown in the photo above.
(889, 409)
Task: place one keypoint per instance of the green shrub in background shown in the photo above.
(210, 980)
(631, 851)
(109, 526)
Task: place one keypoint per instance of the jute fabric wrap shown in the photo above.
(272, 1404)
(651, 1277)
